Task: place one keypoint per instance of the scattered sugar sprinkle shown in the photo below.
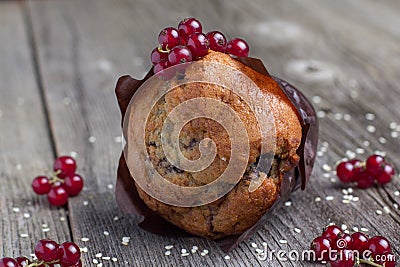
(344, 227)
(110, 186)
(329, 198)
(167, 253)
(84, 249)
(227, 257)
(321, 114)
(345, 192)
(85, 239)
(204, 252)
(24, 235)
(183, 251)
(355, 199)
(346, 201)
(114, 259)
(106, 233)
(396, 193)
(350, 154)
(350, 190)
(371, 129)
(27, 215)
(363, 229)
(317, 199)
(288, 203)
(360, 150)
(395, 205)
(45, 230)
(326, 167)
(394, 134)
(347, 117)
(98, 255)
(99, 265)
(297, 230)
(379, 212)
(283, 241)
(168, 247)
(95, 261)
(253, 245)
(355, 229)
(106, 258)
(382, 140)
(16, 210)
(85, 203)
(316, 99)
(338, 116)
(92, 139)
(62, 219)
(386, 209)
(370, 116)
(116, 218)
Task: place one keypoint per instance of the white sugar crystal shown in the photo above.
(355, 229)
(98, 255)
(316, 99)
(360, 150)
(288, 203)
(183, 251)
(297, 230)
(347, 117)
(95, 261)
(105, 258)
(329, 198)
(379, 212)
(386, 209)
(27, 215)
(317, 199)
(84, 239)
(283, 241)
(321, 114)
(169, 247)
(326, 167)
(227, 257)
(167, 253)
(126, 239)
(396, 193)
(253, 245)
(338, 116)
(110, 186)
(114, 259)
(24, 235)
(344, 227)
(15, 209)
(371, 129)
(92, 139)
(84, 249)
(106, 233)
(355, 199)
(370, 116)
(394, 134)
(363, 229)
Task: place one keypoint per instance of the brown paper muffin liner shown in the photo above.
(126, 192)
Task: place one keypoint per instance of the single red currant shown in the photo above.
(344, 258)
(364, 179)
(198, 45)
(163, 64)
(359, 242)
(321, 246)
(374, 165)
(378, 245)
(157, 56)
(345, 172)
(69, 254)
(342, 241)
(41, 185)
(386, 175)
(332, 232)
(161, 70)
(73, 184)
(46, 250)
(22, 261)
(168, 38)
(179, 54)
(65, 165)
(8, 262)
(217, 41)
(58, 196)
(237, 47)
(189, 26)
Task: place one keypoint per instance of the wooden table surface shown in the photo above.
(59, 62)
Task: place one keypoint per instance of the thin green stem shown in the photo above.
(370, 263)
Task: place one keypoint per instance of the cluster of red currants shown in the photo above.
(63, 183)
(48, 254)
(345, 250)
(364, 174)
(188, 43)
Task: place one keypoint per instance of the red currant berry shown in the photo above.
(321, 246)
(189, 26)
(198, 45)
(386, 175)
(378, 245)
(359, 242)
(73, 184)
(364, 180)
(388, 259)
(46, 250)
(374, 165)
(332, 232)
(342, 241)
(217, 41)
(168, 38)
(157, 56)
(237, 47)
(66, 165)
(345, 172)
(8, 262)
(344, 258)
(41, 185)
(22, 261)
(69, 254)
(58, 196)
(163, 64)
(179, 54)
(161, 70)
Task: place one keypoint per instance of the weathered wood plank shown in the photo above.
(328, 50)
(24, 144)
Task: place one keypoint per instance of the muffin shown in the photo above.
(291, 152)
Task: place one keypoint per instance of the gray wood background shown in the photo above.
(59, 62)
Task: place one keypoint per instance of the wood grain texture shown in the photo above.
(344, 52)
(24, 144)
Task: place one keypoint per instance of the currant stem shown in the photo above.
(39, 263)
(54, 177)
(369, 263)
(163, 51)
